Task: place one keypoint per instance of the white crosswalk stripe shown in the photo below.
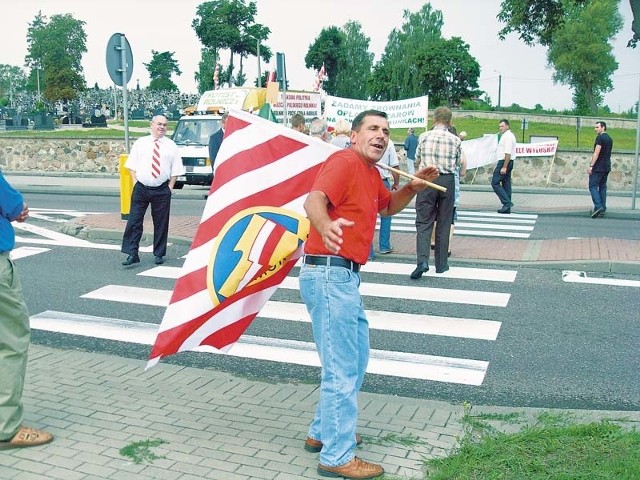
(23, 252)
(408, 365)
(57, 215)
(571, 276)
(479, 224)
(38, 235)
(384, 362)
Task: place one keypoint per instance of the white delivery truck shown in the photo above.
(198, 124)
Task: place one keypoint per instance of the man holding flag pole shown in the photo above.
(342, 209)
(251, 235)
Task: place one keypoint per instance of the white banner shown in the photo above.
(412, 112)
(480, 151)
(542, 149)
(483, 151)
(305, 103)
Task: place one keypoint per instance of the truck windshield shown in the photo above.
(195, 131)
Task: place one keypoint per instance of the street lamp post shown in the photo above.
(499, 89)
(258, 55)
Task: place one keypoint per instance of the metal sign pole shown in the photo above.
(125, 106)
(635, 178)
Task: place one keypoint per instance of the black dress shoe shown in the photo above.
(131, 259)
(159, 260)
(420, 269)
(504, 210)
(445, 269)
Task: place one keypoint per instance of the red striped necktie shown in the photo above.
(155, 164)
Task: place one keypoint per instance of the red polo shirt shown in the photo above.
(355, 192)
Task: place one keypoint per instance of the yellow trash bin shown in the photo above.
(126, 188)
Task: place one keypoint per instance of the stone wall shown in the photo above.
(516, 118)
(567, 170)
(60, 155)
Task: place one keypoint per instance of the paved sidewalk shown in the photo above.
(214, 425)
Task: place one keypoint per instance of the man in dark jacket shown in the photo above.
(599, 169)
(215, 140)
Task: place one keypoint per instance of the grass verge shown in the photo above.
(554, 447)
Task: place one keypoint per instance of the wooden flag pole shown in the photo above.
(413, 177)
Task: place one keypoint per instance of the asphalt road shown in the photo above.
(560, 344)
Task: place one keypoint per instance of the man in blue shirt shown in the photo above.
(14, 330)
(410, 146)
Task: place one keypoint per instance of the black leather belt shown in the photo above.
(162, 185)
(331, 262)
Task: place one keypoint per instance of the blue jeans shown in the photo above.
(598, 189)
(384, 236)
(341, 333)
(501, 184)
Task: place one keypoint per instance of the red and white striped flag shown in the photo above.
(320, 78)
(250, 236)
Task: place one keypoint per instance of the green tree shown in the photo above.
(230, 25)
(55, 48)
(395, 76)
(12, 79)
(536, 21)
(328, 48)
(355, 64)
(160, 68)
(445, 70)
(581, 52)
(206, 67)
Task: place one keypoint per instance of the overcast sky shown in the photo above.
(164, 25)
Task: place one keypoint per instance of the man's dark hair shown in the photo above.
(602, 124)
(357, 122)
(505, 121)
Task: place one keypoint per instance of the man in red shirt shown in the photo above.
(342, 206)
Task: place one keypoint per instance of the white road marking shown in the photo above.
(382, 362)
(23, 252)
(477, 224)
(581, 277)
(405, 220)
(423, 293)
(55, 238)
(378, 320)
(467, 231)
(389, 268)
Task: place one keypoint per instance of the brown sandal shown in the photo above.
(27, 437)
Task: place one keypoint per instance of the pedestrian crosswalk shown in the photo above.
(473, 223)
(378, 282)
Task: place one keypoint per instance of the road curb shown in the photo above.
(602, 266)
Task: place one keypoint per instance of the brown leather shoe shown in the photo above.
(27, 437)
(356, 468)
(314, 446)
